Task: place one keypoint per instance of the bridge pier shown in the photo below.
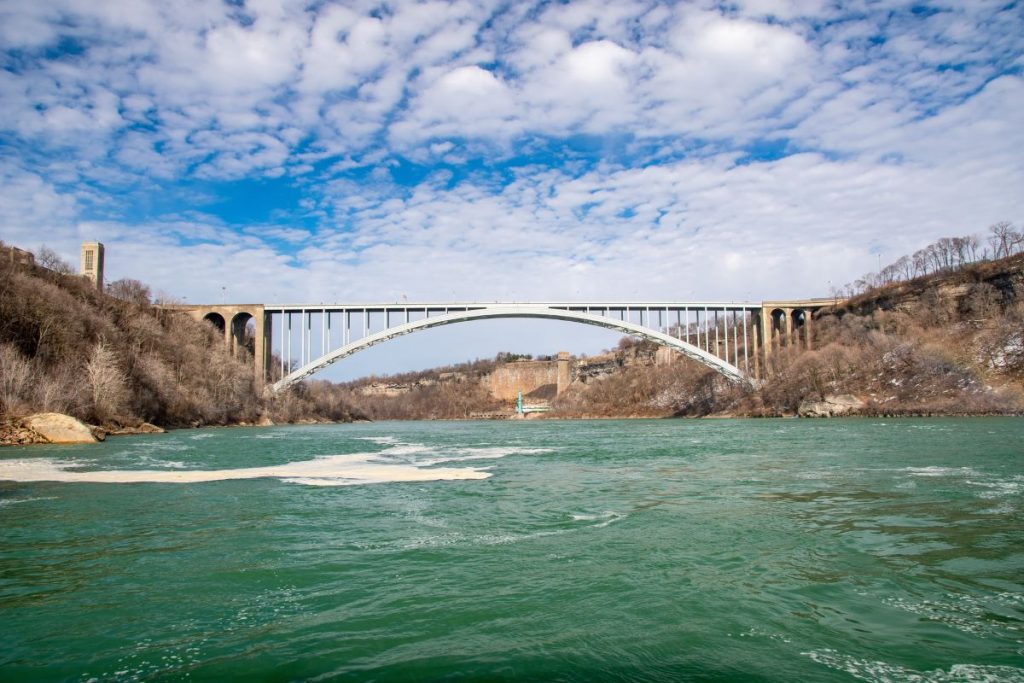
(788, 324)
(232, 320)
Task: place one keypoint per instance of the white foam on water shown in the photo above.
(491, 453)
(383, 440)
(449, 538)
(997, 489)
(334, 470)
(602, 519)
(405, 449)
(15, 501)
(883, 672)
(963, 612)
(760, 632)
(935, 471)
(164, 464)
(398, 463)
(508, 539)
(611, 518)
(501, 451)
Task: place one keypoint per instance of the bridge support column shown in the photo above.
(563, 377)
(264, 358)
(797, 330)
(769, 338)
(756, 338)
(231, 321)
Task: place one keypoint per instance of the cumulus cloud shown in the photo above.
(493, 150)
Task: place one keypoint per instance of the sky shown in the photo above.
(284, 152)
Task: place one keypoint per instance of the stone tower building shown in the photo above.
(91, 263)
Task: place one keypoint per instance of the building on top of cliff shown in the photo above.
(17, 257)
(91, 263)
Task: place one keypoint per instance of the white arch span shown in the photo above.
(727, 369)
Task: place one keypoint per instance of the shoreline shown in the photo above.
(9, 428)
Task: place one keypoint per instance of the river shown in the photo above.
(647, 550)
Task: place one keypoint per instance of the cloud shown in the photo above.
(489, 150)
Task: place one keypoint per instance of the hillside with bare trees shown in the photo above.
(113, 359)
(949, 341)
(938, 332)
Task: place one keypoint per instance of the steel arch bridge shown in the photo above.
(294, 341)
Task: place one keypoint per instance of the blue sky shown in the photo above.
(319, 151)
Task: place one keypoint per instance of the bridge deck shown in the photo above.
(475, 305)
(294, 340)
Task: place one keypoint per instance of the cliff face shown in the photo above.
(629, 355)
(526, 376)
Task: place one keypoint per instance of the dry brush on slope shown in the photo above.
(445, 393)
(66, 347)
(117, 360)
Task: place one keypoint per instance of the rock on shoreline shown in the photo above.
(57, 428)
(834, 405)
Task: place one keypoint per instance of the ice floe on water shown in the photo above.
(399, 463)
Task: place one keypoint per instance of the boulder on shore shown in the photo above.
(143, 428)
(59, 429)
(834, 405)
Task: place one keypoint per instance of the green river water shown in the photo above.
(645, 550)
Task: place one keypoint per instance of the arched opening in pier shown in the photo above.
(799, 317)
(778, 322)
(801, 329)
(243, 334)
(215, 319)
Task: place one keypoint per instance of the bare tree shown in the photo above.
(919, 259)
(129, 290)
(48, 258)
(15, 377)
(971, 244)
(58, 390)
(108, 383)
(1001, 238)
(1016, 242)
(904, 267)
